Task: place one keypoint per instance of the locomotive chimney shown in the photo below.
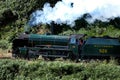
(52, 27)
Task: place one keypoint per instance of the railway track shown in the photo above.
(6, 58)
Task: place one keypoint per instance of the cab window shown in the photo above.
(73, 40)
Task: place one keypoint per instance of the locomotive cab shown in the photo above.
(76, 41)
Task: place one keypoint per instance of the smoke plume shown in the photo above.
(67, 11)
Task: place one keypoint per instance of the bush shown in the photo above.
(4, 44)
(96, 31)
(35, 70)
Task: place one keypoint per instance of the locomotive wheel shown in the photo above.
(51, 58)
(73, 57)
(31, 55)
(64, 58)
(37, 56)
(48, 58)
(16, 54)
(44, 57)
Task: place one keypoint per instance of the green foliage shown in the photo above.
(96, 31)
(14, 14)
(4, 44)
(41, 70)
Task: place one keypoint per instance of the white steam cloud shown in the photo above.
(67, 11)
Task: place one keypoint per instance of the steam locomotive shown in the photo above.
(72, 47)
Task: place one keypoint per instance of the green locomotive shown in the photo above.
(73, 47)
(48, 46)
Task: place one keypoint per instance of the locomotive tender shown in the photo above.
(73, 47)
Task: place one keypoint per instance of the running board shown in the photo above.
(54, 56)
